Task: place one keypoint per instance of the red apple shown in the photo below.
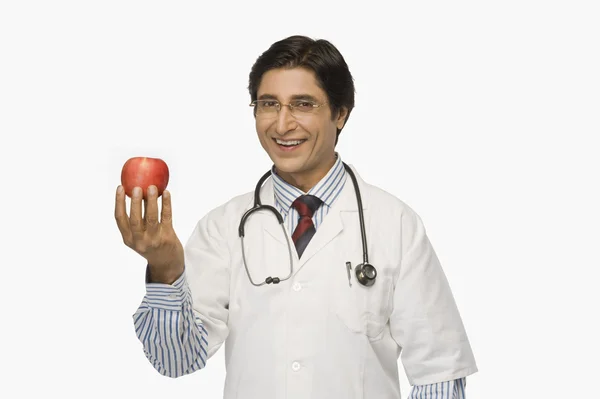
(144, 172)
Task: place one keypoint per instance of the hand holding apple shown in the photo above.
(153, 240)
(144, 172)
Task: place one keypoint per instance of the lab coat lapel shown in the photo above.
(333, 223)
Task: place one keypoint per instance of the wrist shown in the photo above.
(163, 275)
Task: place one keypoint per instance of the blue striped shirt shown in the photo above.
(175, 340)
(327, 190)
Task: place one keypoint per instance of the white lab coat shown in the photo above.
(314, 335)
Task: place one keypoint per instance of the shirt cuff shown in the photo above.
(166, 296)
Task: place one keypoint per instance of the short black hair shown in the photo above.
(321, 57)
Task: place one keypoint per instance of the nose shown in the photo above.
(285, 121)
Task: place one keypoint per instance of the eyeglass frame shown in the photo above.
(289, 105)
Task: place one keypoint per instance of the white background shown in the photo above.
(482, 116)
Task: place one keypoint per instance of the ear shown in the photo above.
(341, 118)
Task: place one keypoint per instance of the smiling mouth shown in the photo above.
(288, 143)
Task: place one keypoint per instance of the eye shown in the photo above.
(303, 105)
(269, 104)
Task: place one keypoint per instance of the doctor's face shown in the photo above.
(300, 142)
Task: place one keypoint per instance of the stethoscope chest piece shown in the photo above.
(366, 274)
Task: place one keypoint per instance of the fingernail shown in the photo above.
(151, 190)
(120, 189)
(136, 191)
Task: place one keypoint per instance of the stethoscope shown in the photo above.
(365, 272)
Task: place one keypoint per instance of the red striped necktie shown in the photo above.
(306, 205)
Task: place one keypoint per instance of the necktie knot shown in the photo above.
(306, 205)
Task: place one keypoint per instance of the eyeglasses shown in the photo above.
(297, 107)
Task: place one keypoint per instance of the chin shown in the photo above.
(288, 165)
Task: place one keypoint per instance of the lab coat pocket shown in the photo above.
(363, 310)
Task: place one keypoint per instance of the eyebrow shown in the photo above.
(294, 97)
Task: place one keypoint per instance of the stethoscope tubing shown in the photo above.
(259, 206)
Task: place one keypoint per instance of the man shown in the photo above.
(300, 323)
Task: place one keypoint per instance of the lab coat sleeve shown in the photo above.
(207, 269)
(425, 321)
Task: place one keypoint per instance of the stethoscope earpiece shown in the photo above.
(366, 274)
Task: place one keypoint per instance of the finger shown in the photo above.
(151, 215)
(121, 215)
(135, 215)
(166, 215)
(144, 210)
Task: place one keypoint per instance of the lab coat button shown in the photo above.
(295, 366)
(297, 287)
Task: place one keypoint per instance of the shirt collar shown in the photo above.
(327, 189)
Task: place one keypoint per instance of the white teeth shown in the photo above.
(292, 142)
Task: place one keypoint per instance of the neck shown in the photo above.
(308, 179)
